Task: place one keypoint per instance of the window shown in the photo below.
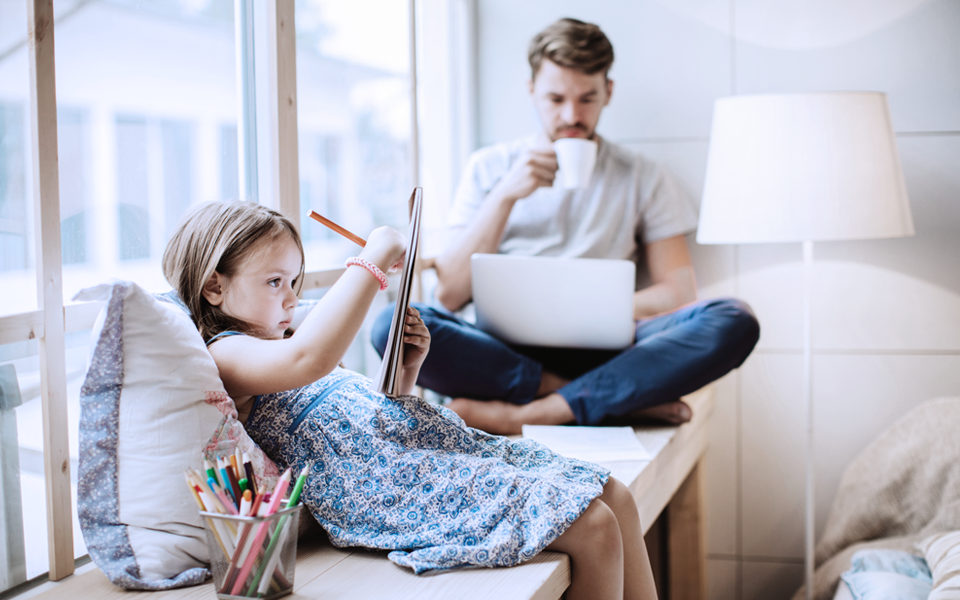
(353, 89)
(148, 125)
(14, 216)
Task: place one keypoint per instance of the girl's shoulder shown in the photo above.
(222, 335)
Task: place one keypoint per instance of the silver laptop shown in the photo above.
(560, 302)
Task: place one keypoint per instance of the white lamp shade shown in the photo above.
(803, 167)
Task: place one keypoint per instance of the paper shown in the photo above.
(392, 365)
(593, 444)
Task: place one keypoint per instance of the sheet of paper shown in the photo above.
(594, 444)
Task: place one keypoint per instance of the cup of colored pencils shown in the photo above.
(252, 534)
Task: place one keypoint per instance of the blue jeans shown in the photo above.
(672, 355)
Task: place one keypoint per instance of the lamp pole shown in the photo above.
(808, 399)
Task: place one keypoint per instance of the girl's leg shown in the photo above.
(596, 555)
(637, 574)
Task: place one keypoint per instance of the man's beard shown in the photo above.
(577, 126)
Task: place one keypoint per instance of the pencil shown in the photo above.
(248, 469)
(356, 239)
(278, 493)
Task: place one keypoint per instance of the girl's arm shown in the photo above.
(252, 366)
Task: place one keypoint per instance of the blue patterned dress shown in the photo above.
(408, 476)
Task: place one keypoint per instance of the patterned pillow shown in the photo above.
(151, 404)
(882, 574)
(942, 552)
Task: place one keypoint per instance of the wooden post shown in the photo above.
(288, 168)
(656, 541)
(53, 370)
(686, 561)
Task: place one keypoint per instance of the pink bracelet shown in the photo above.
(374, 270)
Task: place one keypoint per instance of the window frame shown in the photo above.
(53, 318)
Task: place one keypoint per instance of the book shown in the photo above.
(388, 381)
(592, 444)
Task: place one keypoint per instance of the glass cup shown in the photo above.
(253, 557)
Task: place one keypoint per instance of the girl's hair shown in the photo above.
(219, 237)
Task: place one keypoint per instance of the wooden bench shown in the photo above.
(668, 490)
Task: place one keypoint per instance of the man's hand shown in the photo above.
(535, 168)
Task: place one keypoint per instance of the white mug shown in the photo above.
(576, 158)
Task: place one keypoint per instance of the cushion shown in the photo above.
(880, 574)
(942, 552)
(151, 406)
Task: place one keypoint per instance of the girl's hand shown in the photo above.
(416, 340)
(416, 344)
(385, 248)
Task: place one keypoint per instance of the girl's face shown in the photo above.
(262, 293)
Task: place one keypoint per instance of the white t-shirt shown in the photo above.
(629, 201)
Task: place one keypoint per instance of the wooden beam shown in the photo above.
(53, 369)
(21, 327)
(687, 558)
(25, 326)
(661, 479)
(287, 160)
(322, 278)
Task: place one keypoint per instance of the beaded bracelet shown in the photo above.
(374, 270)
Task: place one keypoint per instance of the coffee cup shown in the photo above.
(576, 158)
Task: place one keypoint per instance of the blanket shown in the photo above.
(901, 488)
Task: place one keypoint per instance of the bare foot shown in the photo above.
(674, 413)
(492, 416)
(503, 418)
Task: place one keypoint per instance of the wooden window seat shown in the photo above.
(668, 490)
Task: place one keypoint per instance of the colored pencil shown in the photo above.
(356, 239)
(278, 493)
(279, 535)
(248, 469)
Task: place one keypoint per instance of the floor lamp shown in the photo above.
(803, 168)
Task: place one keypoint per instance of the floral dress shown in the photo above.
(405, 475)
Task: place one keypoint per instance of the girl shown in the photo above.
(401, 474)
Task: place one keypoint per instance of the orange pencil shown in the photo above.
(356, 239)
(257, 501)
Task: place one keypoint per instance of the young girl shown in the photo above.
(398, 474)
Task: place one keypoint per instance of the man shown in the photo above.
(631, 208)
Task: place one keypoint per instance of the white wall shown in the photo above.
(887, 313)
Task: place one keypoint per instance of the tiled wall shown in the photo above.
(886, 313)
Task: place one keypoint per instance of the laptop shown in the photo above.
(558, 302)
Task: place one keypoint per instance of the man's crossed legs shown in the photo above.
(497, 387)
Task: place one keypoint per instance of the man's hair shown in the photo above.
(572, 44)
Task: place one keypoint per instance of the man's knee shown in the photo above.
(739, 324)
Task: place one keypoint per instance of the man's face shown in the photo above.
(569, 102)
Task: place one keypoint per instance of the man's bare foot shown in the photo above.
(674, 413)
(492, 416)
(503, 418)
